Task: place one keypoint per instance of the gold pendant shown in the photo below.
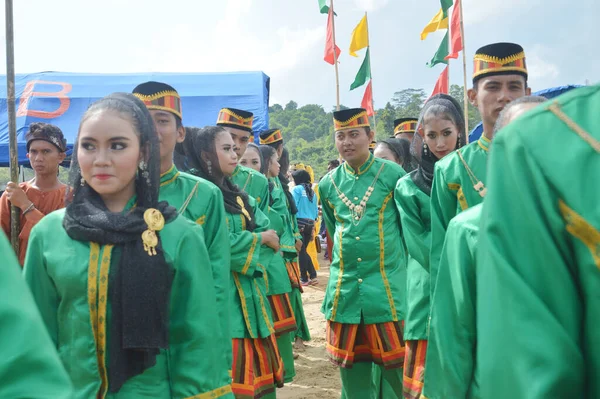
(240, 202)
(155, 221)
(480, 188)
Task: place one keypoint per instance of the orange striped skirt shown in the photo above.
(414, 369)
(294, 274)
(283, 315)
(377, 343)
(257, 367)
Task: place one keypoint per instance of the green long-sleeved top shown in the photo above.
(368, 272)
(453, 191)
(539, 256)
(31, 366)
(413, 205)
(287, 239)
(250, 312)
(449, 369)
(254, 183)
(69, 280)
(277, 276)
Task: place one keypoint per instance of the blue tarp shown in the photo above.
(548, 93)
(62, 98)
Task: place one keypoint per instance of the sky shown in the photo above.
(286, 39)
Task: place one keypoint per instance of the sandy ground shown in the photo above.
(315, 377)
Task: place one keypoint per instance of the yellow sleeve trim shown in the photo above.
(250, 254)
(462, 200)
(386, 282)
(581, 229)
(215, 393)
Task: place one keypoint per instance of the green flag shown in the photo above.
(324, 8)
(364, 73)
(441, 53)
(446, 4)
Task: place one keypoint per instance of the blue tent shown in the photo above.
(548, 93)
(62, 98)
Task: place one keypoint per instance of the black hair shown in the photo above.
(266, 152)
(202, 141)
(284, 163)
(302, 177)
(401, 149)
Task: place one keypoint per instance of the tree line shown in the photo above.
(308, 130)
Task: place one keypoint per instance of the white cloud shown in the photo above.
(486, 11)
(539, 66)
(371, 5)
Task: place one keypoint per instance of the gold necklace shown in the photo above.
(477, 184)
(358, 211)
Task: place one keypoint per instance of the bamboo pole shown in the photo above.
(12, 121)
(370, 72)
(335, 63)
(464, 53)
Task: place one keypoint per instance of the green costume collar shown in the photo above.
(169, 176)
(365, 166)
(484, 142)
(236, 170)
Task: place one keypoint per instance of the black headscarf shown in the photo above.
(140, 287)
(203, 141)
(440, 103)
(401, 148)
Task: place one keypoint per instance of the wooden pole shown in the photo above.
(12, 121)
(335, 63)
(464, 53)
(370, 71)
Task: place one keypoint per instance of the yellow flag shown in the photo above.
(438, 22)
(360, 37)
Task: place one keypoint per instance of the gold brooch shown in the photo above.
(240, 202)
(155, 221)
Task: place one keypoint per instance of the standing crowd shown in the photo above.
(172, 263)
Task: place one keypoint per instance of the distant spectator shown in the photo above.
(46, 150)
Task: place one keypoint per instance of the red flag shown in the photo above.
(329, 45)
(455, 37)
(441, 85)
(367, 101)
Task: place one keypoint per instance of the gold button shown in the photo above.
(359, 259)
(355, 198)
(356, 177)
(360, 281)
(357, 238)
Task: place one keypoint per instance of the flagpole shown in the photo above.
(12, 124)
(464, 51)
(335, 63)
(371, 71)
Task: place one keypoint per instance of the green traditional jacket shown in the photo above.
(368, 271)
(31, 366)
(69, 280)
(254, 183)
(277, 276)
(453, 191)
(539, 255)
(201, 202)
(413, 205)
(251, 313)
(287, 239)
(449, 369)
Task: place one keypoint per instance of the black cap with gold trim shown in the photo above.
(499, 59)
(270, 136)
(159, 96)
(350, 118)
(405, 125)
(372, 145)
(236, 118)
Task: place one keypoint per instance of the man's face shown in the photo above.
(168, 132)
(493, 93)
(241, 138)
(353, 144)
(44, 158)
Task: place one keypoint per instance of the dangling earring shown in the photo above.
(425, 148)
(209, 167)
(82, 181)
(144, 168)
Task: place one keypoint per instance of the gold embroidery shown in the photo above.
(238, 285)
(201, 220)
(581, 229)
(250, 254)
(188, 199)
(265, 276)
(386, 282)
(462, 200)
(585, 136)
(338, 285)
(263, 309)
(97, 299)
(214, 394)
(454, 186)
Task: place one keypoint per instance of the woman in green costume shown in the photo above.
(118, 276)
(257, 367)
(441, 130)
(25, 340)
(291, 242)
